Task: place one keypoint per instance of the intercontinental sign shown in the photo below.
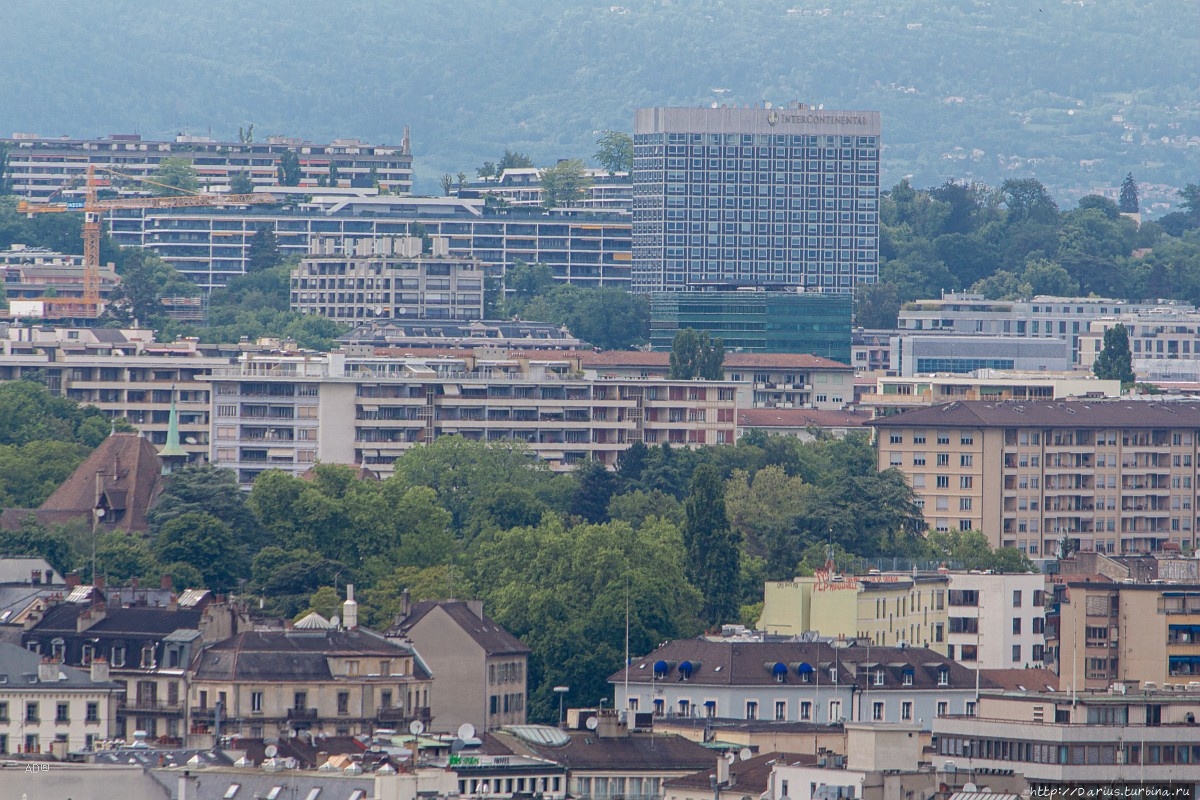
(774, 117)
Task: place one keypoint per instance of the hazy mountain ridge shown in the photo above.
(472, 78)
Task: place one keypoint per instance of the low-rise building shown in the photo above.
(1162, 342)
(33, 273)
(924, 353)
(386, 278)
(795, 681)
(895, 394)
(44, 703)
(482, 669)
(1084, 741)
(893, 609)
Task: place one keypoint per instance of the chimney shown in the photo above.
(350, 609)
(98, 581)
(133, 583)
(72, 579)
(405, 604)
(164, 582)
(476, 607)
(47, 671)
(99, 670)
(35, 577)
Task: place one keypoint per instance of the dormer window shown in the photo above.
(879, 677)
(89, 653)
(908, 678)
(943, 677)
(118, 655)
(148, 659)
(58, 649)
(833, 674)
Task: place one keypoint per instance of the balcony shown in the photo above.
(302, 714)
(145, 706)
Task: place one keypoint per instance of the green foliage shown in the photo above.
(175, 176)
(513, 160)
(240, 183)
(447, 184)
(208, 490)
(614, 152)
(287, 171)
(695, 355)
(564, 591)
(204, 542)
(711, 546)
(264, 250)
(765, 510)
(972, 551)
(145, 280)
(564, 184)
(1115, 361)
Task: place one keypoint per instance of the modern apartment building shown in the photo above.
(124, 373)
(784, 321)
(581, 247)
(1043, 316)
(287, 412)
(522, 186)
(997, 621)
(29, 273)
(896, 394)
(385, 279)
(1139, 633)
(1111, 476)
(754, 197)
(40, 168)
(1165, 343)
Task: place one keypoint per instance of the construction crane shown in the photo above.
(93, 208)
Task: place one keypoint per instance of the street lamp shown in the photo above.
(560, 691)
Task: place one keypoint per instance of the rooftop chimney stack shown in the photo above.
(350, 609)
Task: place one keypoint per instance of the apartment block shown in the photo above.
(29, 273)
(42, 167)
(522, 186)
(124, 373)
(1043, 316)
(1165, 343)
(896, 394)
(926, 353)
(386, 278)
(755, 196)
(581, 247)
(287, 412)
(1112, 476)
(997, 621)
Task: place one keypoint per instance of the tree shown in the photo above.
(711, 547)
(287, 171)
(1128, 202)
(564, 184)
(487, 171)
(970, 550)
(596, 486)
(764, 510)
(263, 252)
(206, 543)
(145, 280)
(1190, 194)
(461, 180)
(205, 489)
(1115, 361)
(175, 176)
(1043, 276)
(240, 183)
(447, 183)
(246, 135)
(615, 152)
(695, 355)
(1028, 201)
(512, 160)
(876, 305)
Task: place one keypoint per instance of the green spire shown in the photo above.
(172, 449)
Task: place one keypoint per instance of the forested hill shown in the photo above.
(1073, 93)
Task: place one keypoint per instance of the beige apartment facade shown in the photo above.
(287, 412)
(1111, 476)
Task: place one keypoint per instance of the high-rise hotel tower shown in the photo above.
(755, 197)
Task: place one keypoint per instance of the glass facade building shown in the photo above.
(755, 197)
(758, 321)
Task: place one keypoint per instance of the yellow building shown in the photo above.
(891, 609)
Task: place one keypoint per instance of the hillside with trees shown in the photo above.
(1076, 94)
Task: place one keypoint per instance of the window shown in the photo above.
(877, 711)
(93, 712)
(256, 702)
(780, 710)
(805, 710)
(943, 459)
(1016, 601)
(964, 504)
(906, 710)
(907, 680)
(148, 657)
(1016, 624)
(966, 460)
(62, 712)
(3, 711)
(343, 702)
(1016, 653)
(835, 710)
(970, 709)
(943, 677)
(751, 709)
(31, 712)
(879, 677)
(943, 708)
(118, 655)
(966, 482)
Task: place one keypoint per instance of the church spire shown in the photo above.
(172, 453)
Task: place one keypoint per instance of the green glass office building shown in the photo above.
(757, 321)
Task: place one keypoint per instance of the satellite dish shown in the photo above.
(970, 787)
(335, 621)
(592, 723)
(378, 311)
(402, 310)
(416, 727)
(744, 754)
(729, 758)
(271, 751)
(466, 731)
(190, 440)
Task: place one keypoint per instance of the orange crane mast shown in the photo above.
(94, 208)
